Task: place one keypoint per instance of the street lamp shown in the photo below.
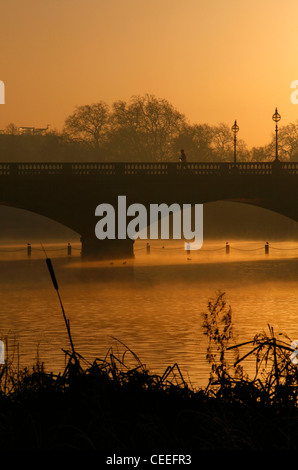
(276, 118)
(235, 129)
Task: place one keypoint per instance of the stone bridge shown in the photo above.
(70, 192)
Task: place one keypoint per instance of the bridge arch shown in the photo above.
(21, 223)
(69, 192)
(231, 219)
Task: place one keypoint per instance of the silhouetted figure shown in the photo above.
(182, 160)
(182, 157)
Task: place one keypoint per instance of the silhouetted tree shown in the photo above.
(287, 141)
(261, 154)
(243, 154)
(11, 129)
(144, 129)
(204, 143)
(222, 142)
(196, 140)
(88, 124)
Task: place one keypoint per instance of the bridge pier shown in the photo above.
(92, 248)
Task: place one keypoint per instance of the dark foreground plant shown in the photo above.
(276, 374)
(275, 380)
(218, 327)
(116, 404)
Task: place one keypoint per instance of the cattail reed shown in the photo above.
(56, 287)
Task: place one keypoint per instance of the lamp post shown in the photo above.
(276, 118)
(235, 129)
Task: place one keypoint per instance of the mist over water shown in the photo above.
(153, 303)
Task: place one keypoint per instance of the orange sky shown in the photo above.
(214, 60)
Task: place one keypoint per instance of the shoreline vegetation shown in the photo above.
(116, 404)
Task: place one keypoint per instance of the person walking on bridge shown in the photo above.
(182, 157)
(182, 160)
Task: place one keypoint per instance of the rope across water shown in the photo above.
(151, 248)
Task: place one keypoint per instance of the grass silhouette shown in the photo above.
(115, 404)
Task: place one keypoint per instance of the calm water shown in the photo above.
(153, 304)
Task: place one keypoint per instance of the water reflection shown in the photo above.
(152, 303)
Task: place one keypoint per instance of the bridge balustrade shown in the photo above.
(4, 169)
(146, 169)
(93, 168)
(208, 168)
(290, 167)
(134, 169)
(37, 168)
(253, 168)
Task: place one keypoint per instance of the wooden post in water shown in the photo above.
(29, 249)
(148, 249)
(69, 249)
(227, 248)
(267, 248)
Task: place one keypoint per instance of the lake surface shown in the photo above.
(153, 303)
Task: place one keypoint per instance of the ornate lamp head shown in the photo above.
(235, 127)
(276, 116)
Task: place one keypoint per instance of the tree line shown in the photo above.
(145, 128)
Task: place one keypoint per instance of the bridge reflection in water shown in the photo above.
(70, 192)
